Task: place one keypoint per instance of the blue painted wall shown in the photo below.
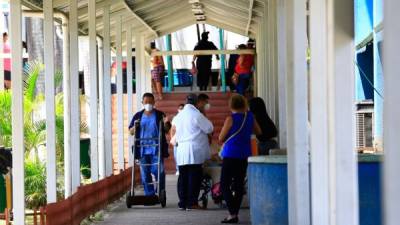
(378, 98)
(268, 193)
(368, 15)
(364, 19)
(365, 60)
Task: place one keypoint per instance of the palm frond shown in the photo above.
(32, 71)
(58, 78)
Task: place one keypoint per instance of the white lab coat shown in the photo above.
(192, 129)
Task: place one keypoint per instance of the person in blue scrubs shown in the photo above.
(146, 124)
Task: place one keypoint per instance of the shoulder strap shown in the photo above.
(240, 129)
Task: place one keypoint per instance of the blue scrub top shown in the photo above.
(148, 129)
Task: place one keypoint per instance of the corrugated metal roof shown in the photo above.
(160, 17)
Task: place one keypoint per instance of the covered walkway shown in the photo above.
(155, 215)
(304, 71)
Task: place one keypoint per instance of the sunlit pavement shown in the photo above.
(155, 215)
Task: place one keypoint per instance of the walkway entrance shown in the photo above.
(155, 215)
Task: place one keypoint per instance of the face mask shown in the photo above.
(148, 107)
(207, 107)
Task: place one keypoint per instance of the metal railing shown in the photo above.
(88, 200)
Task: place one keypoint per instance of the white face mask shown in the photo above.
(148, 107)
(207, 107)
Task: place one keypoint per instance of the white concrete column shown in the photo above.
(107, 92)
(93, 99)
(271, 59)
(262, 58)
(297, 114)
(334, 161)
(67, 110)
(281, 71)
(50, 100)
(75, 93)
(391, 112)
(120, 100)
(139, 69)
(319, 113)
(101, 131)
(344, 179)
(17, 108)
(260, 66)
(129, 85)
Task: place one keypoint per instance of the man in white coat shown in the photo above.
(191, 129)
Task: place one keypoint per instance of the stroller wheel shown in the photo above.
(129, 197)
(163, 198)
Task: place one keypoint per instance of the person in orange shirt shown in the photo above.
(243, 71)
(157, 72)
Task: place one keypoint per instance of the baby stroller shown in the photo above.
(160, 196)
(210, 180)
(210, 186)
(205, 189)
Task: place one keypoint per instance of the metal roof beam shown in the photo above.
(222, 7)
(230, 20)
(183, 15)
(176, 24)
(83, 12)
(140, 19)
(171, 29)
(226, 26)
(147, 4)
(165, 12)
(250, 16)
(113, 15)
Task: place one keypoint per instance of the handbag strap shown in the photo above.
(238, 131)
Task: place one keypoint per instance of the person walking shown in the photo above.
(157, 72)
(265, 141)
(7, 61)
(191, 129)
(173, 142)
(204, 62)
(243, 70)
(236, 136)
(146, 124)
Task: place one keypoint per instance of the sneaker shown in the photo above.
(231, 220)
(194, 207)
(177, 173)
(181, 209)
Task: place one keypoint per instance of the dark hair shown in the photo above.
(167, 126)
(181, 105)
(242, 46)
(148, 95)
(237, 102)
(202, 97)
(5, 34)
(153, 45)
(191, 99)
(268, 128)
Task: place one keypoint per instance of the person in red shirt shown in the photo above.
(243, 70)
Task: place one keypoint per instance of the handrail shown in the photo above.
(86, 201)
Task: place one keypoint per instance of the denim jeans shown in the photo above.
(243, 83)
(146, 172)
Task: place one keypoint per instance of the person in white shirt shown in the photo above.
(191, 129)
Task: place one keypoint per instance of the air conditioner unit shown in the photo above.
(365, 126)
